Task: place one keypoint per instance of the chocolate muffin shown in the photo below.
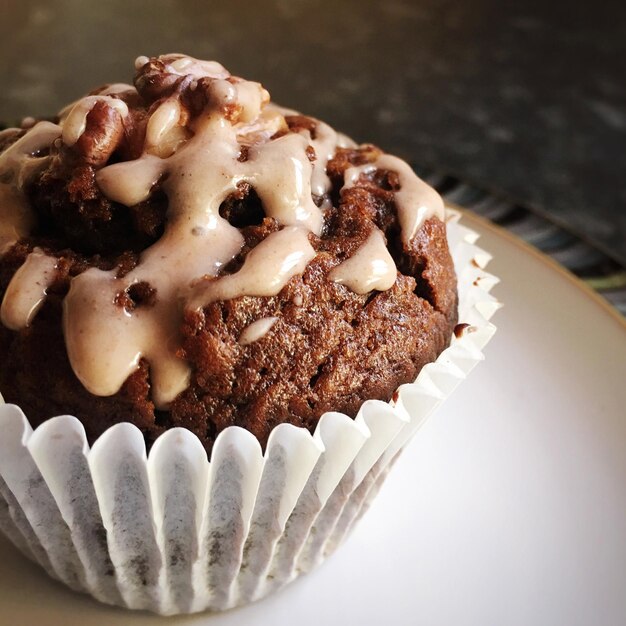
(182, 252)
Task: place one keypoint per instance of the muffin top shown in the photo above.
(184, 252)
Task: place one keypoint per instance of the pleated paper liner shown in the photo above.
(174, 532)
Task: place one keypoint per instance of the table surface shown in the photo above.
(524, 97)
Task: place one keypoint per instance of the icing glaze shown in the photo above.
(18, 164)
(184, 65)
(198, 177)
(257, 330)
(369, 268)
(195, 157)
(416, 201)
(265, 271)
(27, 290)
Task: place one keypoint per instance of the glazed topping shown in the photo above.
(21, 161)
(27, 290)
(370, 268)
(265, 272)
(257, 330)
(206, 134)
(416, 201)
(183, 65)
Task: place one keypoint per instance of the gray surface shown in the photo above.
(524, 97)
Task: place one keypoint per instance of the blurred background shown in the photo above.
(517, 109)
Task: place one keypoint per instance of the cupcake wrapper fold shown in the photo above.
(175, 532)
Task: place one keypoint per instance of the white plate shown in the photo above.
(509, 507)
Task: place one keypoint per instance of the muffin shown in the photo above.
(190, 269)
(184, 253)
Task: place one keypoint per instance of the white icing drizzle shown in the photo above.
(257, 330)
(198, 165)
(184, 65)
(325, 144)
(27, 290)
(138, 178)
(369, 268)
(112, 89)
(76, 121)
(265, 271)
(103, 360)
(105, 342)
(18, 163)
(416, 201)
(198, 177)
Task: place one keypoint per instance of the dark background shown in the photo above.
(526, 98)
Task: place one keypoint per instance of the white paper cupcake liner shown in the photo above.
(173, 532)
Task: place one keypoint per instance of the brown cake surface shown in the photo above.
(183, 253)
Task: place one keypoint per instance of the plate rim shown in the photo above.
(470, 216)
